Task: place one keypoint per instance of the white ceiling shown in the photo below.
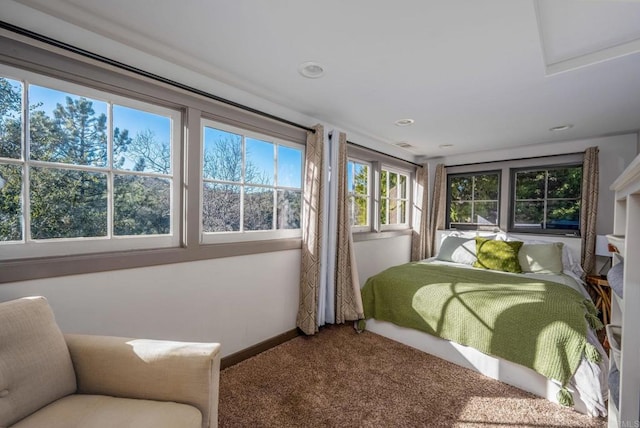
(477, 75)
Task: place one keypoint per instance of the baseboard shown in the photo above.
(251, 351)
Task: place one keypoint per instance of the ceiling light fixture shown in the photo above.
(561, 127)
(403, 144)
(404, 122)
(311, 70)
(445, 146)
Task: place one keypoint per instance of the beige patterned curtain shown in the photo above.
(348, 298)
(311, 232)
(438, 207)
(420, 232)
(589, 208)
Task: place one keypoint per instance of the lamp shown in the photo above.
(602, 249)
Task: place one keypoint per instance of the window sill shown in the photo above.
(370, 236)
(48, 267)
(566, 233)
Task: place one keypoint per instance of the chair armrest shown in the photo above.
(183, 372)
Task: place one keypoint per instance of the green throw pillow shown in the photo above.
(498, 255)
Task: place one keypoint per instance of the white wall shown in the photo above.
(616, 152)
(376, 255)
(236, 301)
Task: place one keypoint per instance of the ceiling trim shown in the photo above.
(612, 52)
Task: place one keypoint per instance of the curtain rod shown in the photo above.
(118, 64)
(516, 159)
(382, 153)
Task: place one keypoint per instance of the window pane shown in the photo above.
(142, 205)
(141, 141)
(360, 179)
(10, 203)
(402, 207)
(529, 214)
(486, 212)
(460, 212)
(384, 207)
(289, 203)
(461, 188)
(67, 128)
(563, 215)
(67, 203)
(486, 187)
(383, 184)
(220, 208)
(350, 176)
(259, 167)
(393, 210)
(289, 167)
(565, 183)
(10, 118)
(393, 185)
(403, 187)
(530, 184)
(359, 210)
(222, 155)
(258, 208)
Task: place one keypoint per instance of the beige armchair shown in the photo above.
(50, 380)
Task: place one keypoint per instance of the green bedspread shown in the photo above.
(538, 324)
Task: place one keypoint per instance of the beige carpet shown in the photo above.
(338, 378)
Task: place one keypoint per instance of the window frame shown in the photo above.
(473, 226)
(407, 199)
(248, 235)
(28, 247)
(512, 200)
(369, 165)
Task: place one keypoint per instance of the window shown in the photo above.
(394, 199)
(546, 199)
(358, 177)
(82, 170)
(473, 199)
(252, 185)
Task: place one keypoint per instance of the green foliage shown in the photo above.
(359, 200)
(561, 189)
(474, 198)
(69, 202)
(10, 118)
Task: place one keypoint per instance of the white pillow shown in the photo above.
(541, 258)
(458, 249)
(569, 264)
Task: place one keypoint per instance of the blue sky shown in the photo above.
(261, 155)
(123, 117)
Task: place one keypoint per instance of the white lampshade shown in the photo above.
(602, 246)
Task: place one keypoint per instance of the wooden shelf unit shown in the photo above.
(625, 311)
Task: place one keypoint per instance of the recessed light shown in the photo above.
(403, 144)
(561, 127)
(445, 146)
(311, 70)
(404, 122)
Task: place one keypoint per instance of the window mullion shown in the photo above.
(473, 199)
(110, 176)
(242, 182)
(544, 206)
(274, 216)
(26, 153)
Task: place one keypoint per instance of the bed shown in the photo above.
(533, 329)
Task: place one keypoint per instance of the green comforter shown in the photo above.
(538, 324)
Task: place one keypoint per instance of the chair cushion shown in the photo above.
(35, 366)
(102, 411)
